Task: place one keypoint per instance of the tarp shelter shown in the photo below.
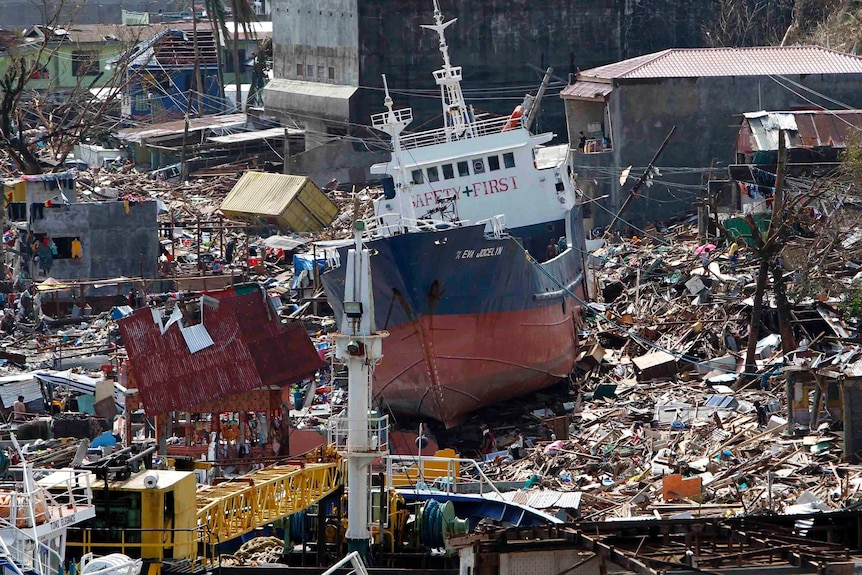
(292, 203)
(81, 384)
(26, 384)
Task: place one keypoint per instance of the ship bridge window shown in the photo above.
(478, 166)
(493, 163)
(417, 177)
(448, 172)
(463, 169)
(509, 160)
(433, 174)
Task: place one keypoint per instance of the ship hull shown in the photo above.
(472, 320)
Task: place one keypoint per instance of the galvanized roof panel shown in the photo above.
(751, 61)
(251, 349)
(263, 193)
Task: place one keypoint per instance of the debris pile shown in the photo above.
(667, 420)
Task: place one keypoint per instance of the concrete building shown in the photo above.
(18, 14)
(627, 109)
(117, 239)
(329, 57)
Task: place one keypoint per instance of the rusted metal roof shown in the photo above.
(251, 349)
(587, 90)
(753, 61)
(802, 129)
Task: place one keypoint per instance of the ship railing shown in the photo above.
(190, 546)
(497, 224)
(483, 127)
(61, 494)
(373, 437)
(390, 224)
(31, 555)
(404, 115)
(449, 474)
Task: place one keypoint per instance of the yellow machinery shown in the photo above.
(232, 509)
(150, 515)
(160, 515)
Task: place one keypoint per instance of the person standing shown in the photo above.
(20, 409)
(489, 443)
(734, 256)
(582, 142)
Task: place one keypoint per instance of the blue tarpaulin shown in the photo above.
(304, 263)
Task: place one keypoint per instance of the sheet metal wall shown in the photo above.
(252, 348)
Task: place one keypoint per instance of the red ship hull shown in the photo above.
(446, 367)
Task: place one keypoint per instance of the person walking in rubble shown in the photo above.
(489, 443)
(761, 414)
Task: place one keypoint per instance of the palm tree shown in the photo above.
(217, 18)
(244, 16)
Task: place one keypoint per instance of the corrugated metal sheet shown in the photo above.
(587, 90)
(753, 61)
(255, 135)
(803, 129)
(293, 203)
(251, 349)
(545, 498)
(175, 127)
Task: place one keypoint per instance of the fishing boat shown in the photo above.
(478, 247)
(37, 508)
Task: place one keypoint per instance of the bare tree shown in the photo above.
(34, 121)
(748, 23)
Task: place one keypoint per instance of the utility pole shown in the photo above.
(640, 182)
(534, 107)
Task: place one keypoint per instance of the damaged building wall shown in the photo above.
(500, 44)
(115, 242)
(705, 112)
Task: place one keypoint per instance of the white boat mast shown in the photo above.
(457, 117)
(393, 123)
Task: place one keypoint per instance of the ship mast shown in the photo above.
(393, 123)
(457, 116)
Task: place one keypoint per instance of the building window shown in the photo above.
(64, 248)
(417, 177)
(478, 166)
(433, 174)
(509, 160)
(320, 70)
(299, 69)
(332, 72)
(493, 163)
(85, 63)
(448, 172)
(309, 71)
(463, 169)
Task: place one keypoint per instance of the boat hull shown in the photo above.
(472, 320)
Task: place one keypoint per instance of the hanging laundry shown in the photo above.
(77, 250)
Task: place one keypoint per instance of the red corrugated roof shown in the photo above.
(753, 61)
(252, 349)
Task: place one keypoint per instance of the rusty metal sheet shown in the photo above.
(586, 89)
(251, 349)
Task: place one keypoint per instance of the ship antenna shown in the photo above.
(457, 116)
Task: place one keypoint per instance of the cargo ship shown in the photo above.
(478, 245)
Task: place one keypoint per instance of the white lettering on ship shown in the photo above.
(483, 253)
(475, 190)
